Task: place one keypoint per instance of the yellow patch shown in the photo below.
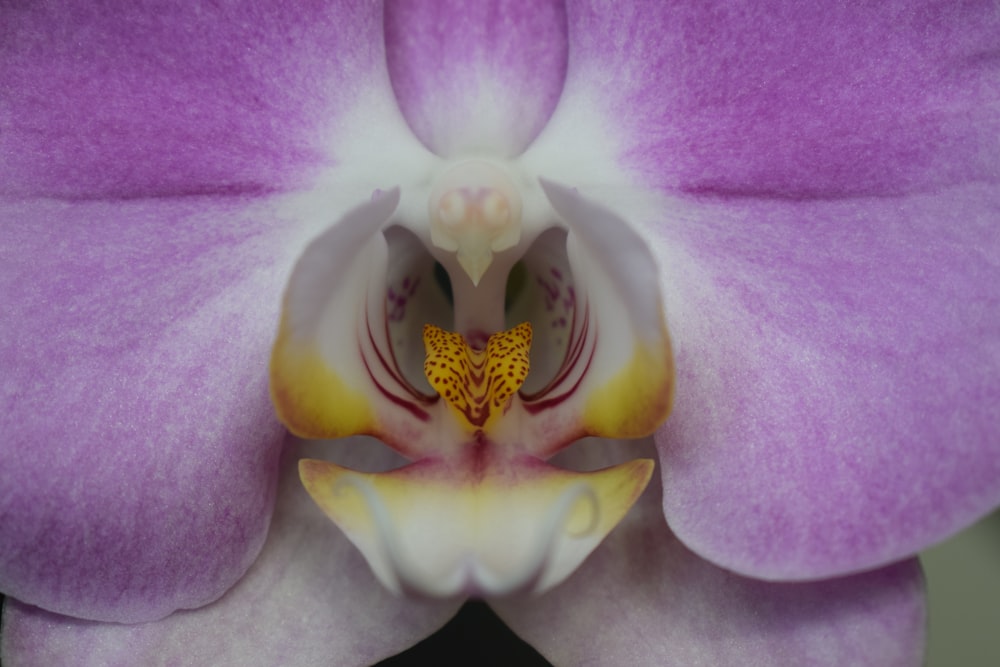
(312, 400)
(634, 402)
(478, 384)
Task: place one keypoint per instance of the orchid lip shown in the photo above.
(470, 574)
(430, 530)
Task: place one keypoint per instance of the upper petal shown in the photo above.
(838, 393)
(783, 97)
(308, 600)
(134, 344)
(135, 99)
(476, 77)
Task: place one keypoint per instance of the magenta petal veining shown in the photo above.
(776, 98)
(124, 100)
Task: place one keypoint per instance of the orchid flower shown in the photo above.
(418, 263)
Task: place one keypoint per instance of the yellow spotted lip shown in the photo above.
(477, 383)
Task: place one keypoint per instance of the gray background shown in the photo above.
(963, 587)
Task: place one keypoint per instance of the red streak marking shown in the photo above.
(410, 407)
(538, 406)
(573, 355)
(393, 368)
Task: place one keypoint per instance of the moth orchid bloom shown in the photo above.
(206, 208)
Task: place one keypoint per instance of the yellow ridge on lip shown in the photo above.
(478, 384)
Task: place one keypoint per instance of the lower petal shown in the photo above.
(309, 600)
(645, 599)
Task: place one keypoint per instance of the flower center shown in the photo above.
(478, 511)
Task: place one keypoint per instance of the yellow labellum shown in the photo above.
(478, 384)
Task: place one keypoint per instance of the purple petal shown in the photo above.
(644, 599)
(779, 97)
(476, 77)
(126, 99)
(308, 600)
(138, 442)
(838, 394)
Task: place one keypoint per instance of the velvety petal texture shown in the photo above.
(775, 97)
(644, 599)
(308, 600)
(157, 98)
(838, 394)
(476, 77)
(139, 445)
(830, 279)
